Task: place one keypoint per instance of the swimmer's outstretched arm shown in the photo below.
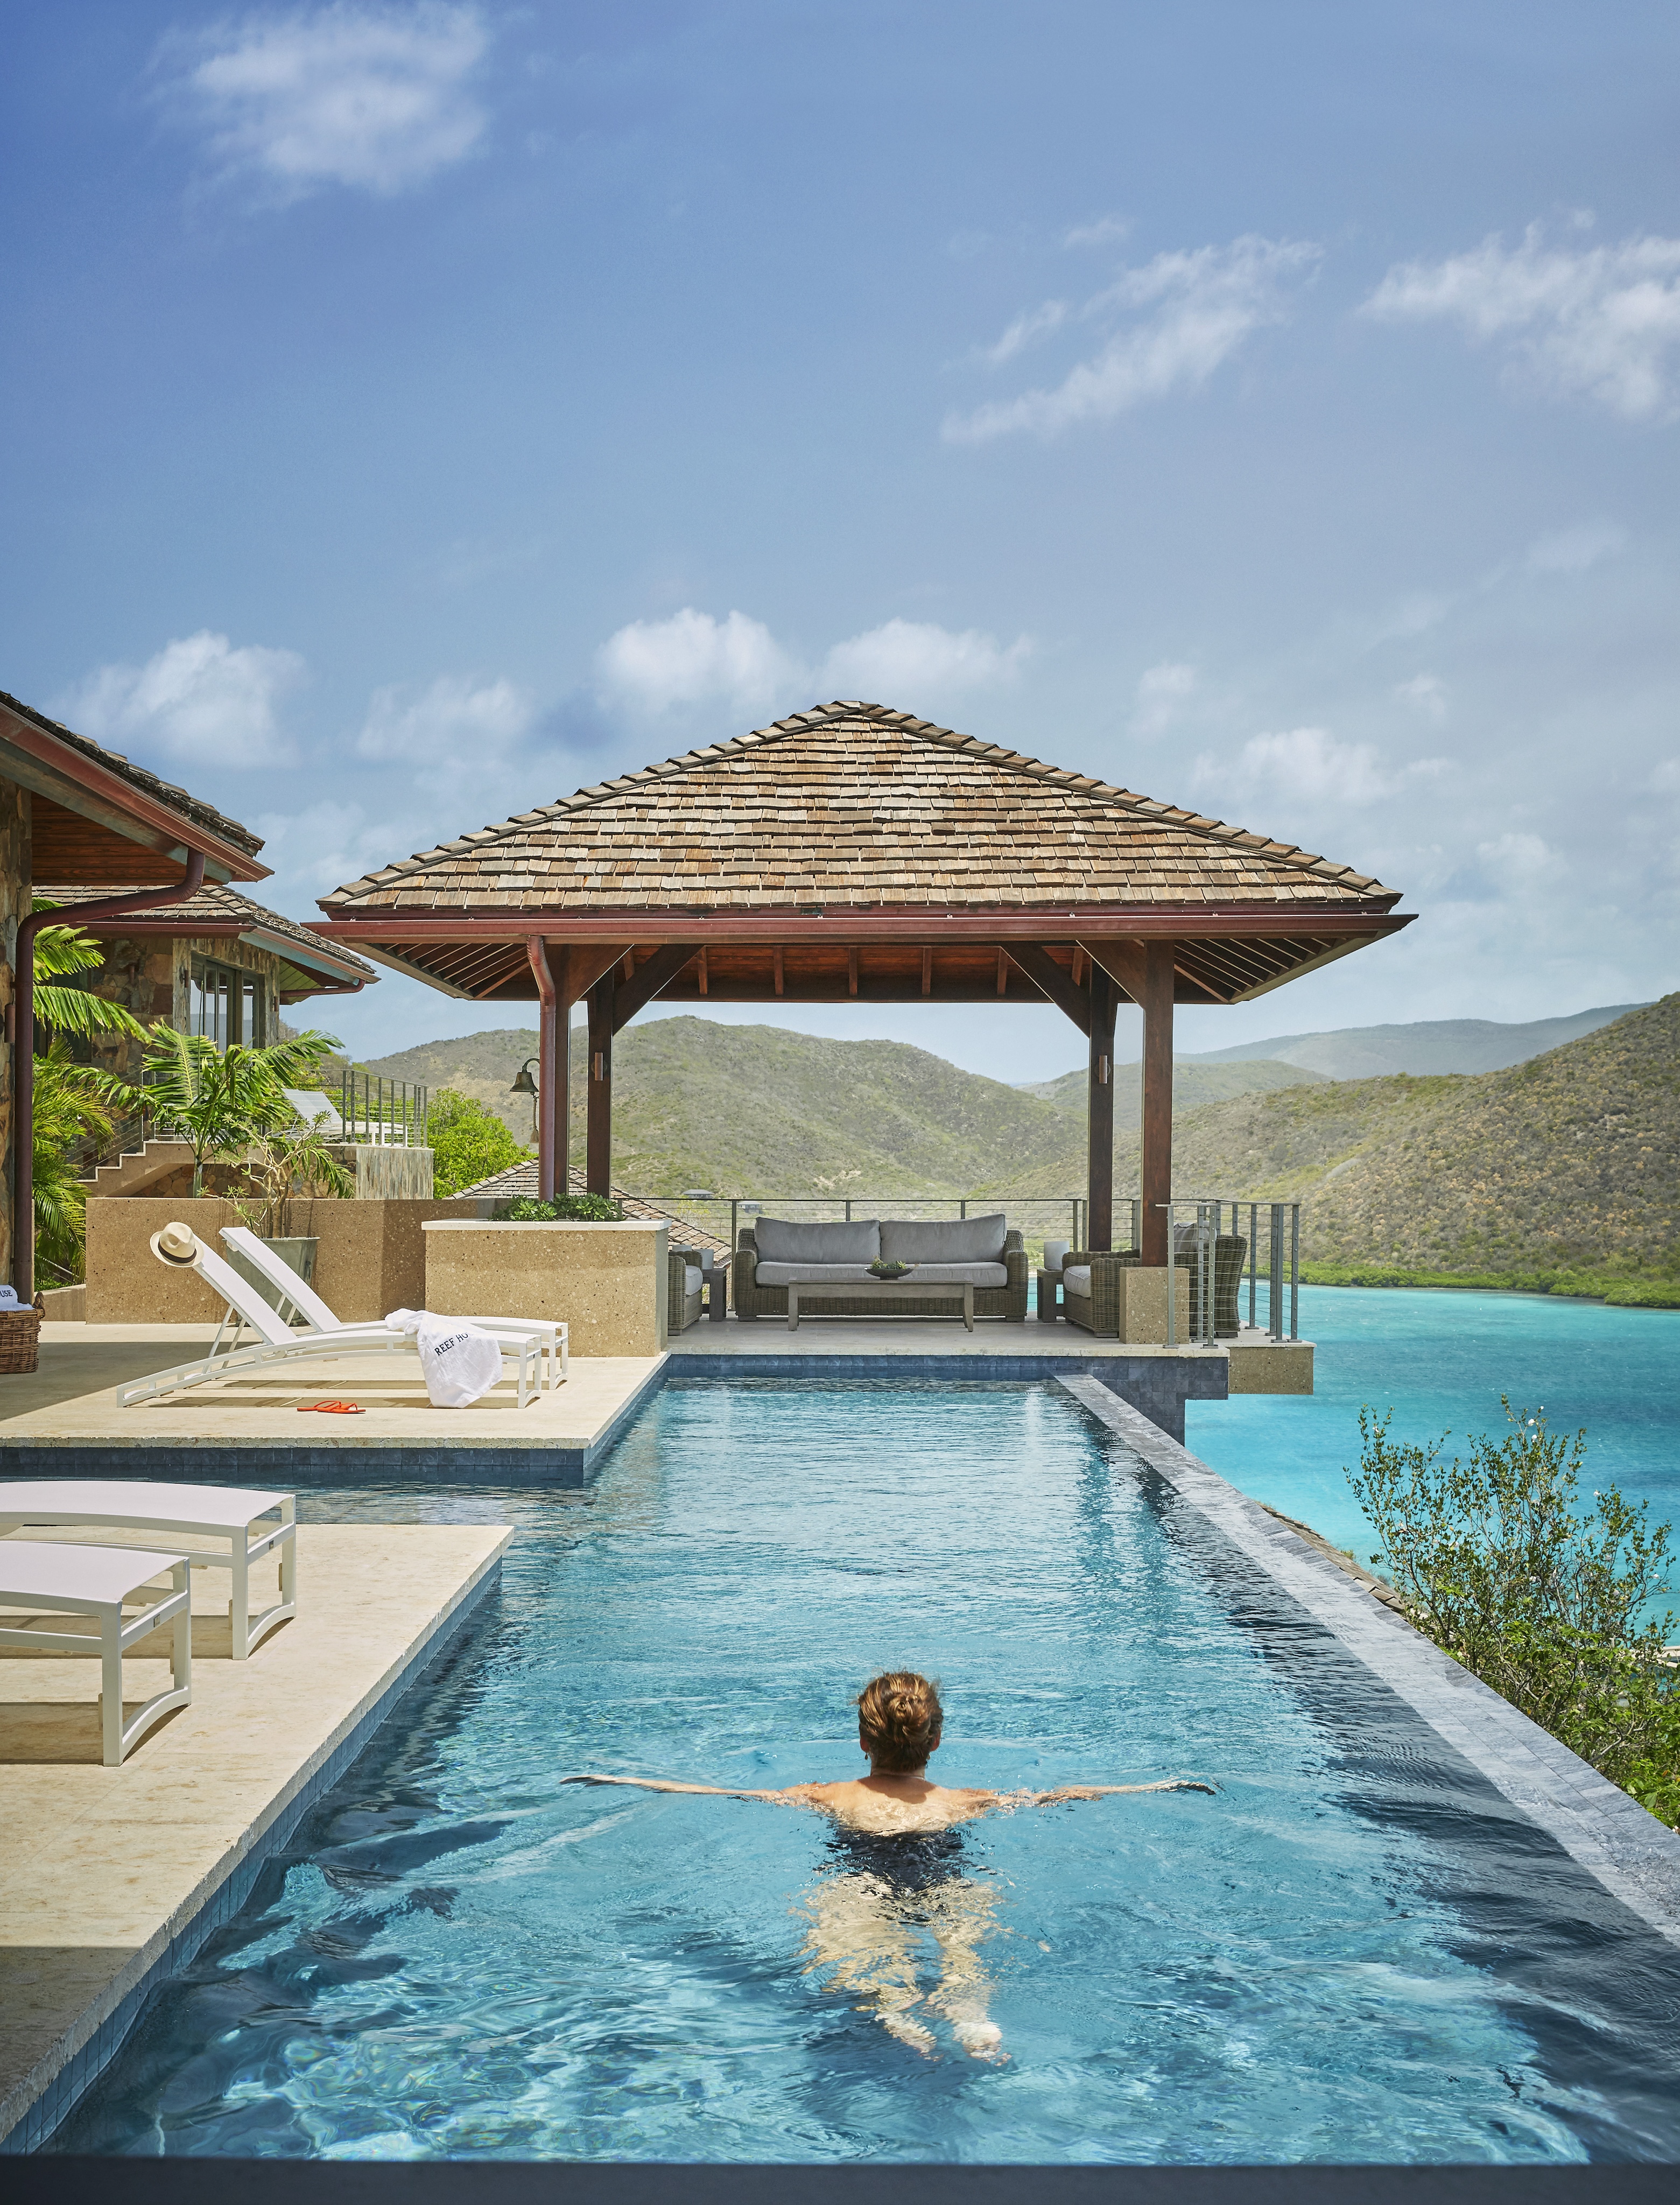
(793, 1797)
(1103, 1791)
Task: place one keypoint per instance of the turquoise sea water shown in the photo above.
(1352, 1951)
(1440, 1360)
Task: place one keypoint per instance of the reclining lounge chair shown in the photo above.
(318, 1317)
(181, 1250)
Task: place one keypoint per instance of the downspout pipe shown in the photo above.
(23, 1049)
(547, 1065)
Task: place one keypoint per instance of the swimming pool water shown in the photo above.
(1352, 1951)
(1441, 1359)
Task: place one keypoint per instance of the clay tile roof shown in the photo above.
(854, 804)
(163, 791)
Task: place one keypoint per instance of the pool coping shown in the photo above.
(32, 2123)
(1635, 1857)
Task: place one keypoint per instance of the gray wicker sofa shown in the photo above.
(1091, 1289)
(773, 1253)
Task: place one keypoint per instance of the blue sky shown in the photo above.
(415, 412)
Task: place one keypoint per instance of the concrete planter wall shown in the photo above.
(606, 1283)
(370, 1257)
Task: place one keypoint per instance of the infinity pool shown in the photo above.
(1353, 1950)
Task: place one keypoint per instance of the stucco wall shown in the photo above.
(372, 1258)
(14, 906)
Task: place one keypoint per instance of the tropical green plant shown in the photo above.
(468, 1143)
(72, 1100)
(223, 1101)
(588, 1209)
(60, 952)
(287, 1164)
(1496, 1560)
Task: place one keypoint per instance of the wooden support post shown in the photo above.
(1100, 1115)
(552, 1044)
(927, 971)
(598, 1145)
(1156, 998)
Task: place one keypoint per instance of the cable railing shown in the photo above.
(1215, 1284)
(388, 1113)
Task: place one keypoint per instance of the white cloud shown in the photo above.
(1573, 550)
(1191, 311)
(1518, 859)
(1161, 690)
(1427, 692)
(199, 700)
(1310, 767)
(358, 94)
(651, 666)
(1602, 323)
(1106, 230)
(1026, 329)
(1665, 777)
(452, 717)
(905, 660)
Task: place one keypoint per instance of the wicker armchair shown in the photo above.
(681, 1307)
(752, 1300)
(1100, 1311)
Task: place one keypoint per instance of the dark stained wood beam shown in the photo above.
(1100, 1115)
(651, 979)
(1053, 980)
(598, 1135)
(1157, 1159)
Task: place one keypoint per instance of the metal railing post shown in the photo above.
(1295, 1270)
(1253, 1261)
(1172, 1295)
(1275, 1292)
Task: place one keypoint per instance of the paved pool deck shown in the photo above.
(112, 1878)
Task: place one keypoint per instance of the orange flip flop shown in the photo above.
(331, 1408)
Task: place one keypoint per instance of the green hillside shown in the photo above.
(1568, 1162)
(1195, 1085)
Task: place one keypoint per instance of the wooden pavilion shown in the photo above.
(852, 853)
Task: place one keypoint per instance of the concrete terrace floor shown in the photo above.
(109, 1875)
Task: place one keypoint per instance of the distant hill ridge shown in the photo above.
(1430, 1045)
(1567, 1159)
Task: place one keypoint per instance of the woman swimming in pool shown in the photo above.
(900, 1867)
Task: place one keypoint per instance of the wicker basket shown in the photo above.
(20, 1340)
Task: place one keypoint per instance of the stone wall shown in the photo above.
(372, 1258)
(149, 974)
(14, 906)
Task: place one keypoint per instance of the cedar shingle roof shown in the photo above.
(164, 792)
(213, 908)
(852, 803)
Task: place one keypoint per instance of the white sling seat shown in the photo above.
(319, 1317)
(179, 1249)
(227, 1513)
(98, 1582)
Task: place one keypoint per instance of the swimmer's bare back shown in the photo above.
(890, 1806)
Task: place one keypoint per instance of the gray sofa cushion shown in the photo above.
(973, 1275)
(1077, 1280)
(951, 1240)
(784, 1274)
(693, 1278)
(781, 1242)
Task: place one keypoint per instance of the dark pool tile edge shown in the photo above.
(1632, 1855)
(52, 2106)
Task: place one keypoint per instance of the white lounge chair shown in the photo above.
(314, 1313)
(180, 1249)
(225, 1512)
(100, 1581)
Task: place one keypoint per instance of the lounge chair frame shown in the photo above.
(50, 1579)
(227, 1512)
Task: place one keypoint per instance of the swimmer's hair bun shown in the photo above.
(899, 1720)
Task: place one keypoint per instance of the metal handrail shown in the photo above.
(382, 1113)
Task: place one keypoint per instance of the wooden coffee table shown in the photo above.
(886, 1290)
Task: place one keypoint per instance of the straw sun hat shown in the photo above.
(175, 1243)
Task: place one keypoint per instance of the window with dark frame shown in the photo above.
(225, 1004)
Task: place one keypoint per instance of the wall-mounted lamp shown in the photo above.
(525, 1084)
